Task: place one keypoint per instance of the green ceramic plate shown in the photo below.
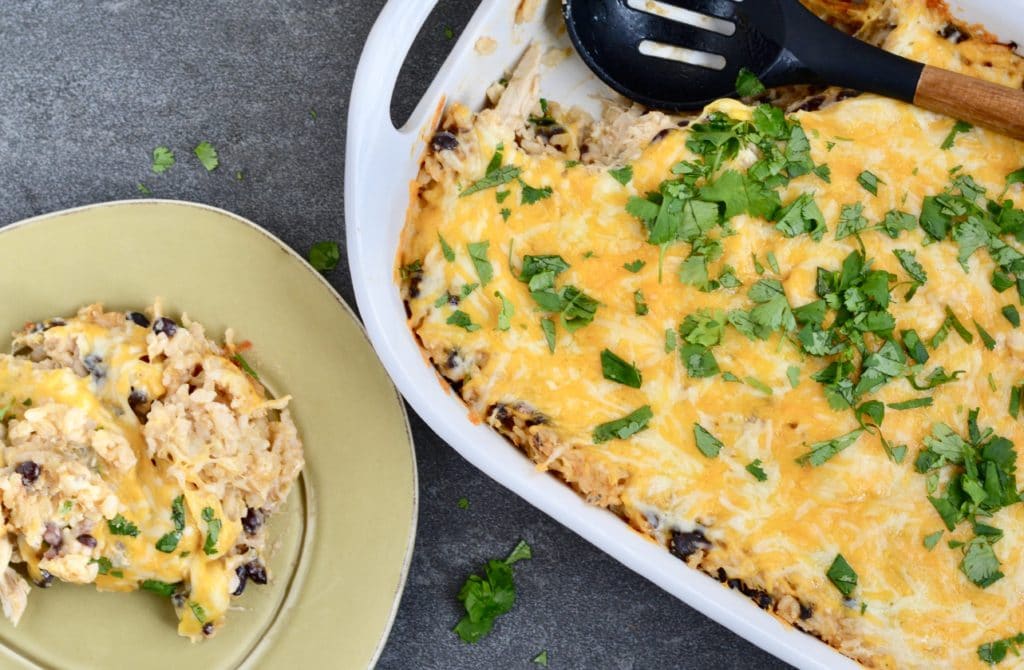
(346, 533)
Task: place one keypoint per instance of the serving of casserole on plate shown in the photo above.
(145, 451)
(780, 340)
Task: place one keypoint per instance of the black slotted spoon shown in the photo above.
(682, 54)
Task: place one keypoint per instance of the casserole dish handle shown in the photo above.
(386, 48)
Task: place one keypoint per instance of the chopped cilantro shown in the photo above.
(541, 659)
(163, 160)
(122, 526)
(980, 563)
(908, 259)
(143, 189)
(240, 361)
(670, 340)
(801, 216)
(960, 329)
(548, 327)
(462, 320)
(986, 339)
(197, 611)
(824, 172)
(463, 503)
(1012, 315)
(446, 249)
(169, 541)
(958, 127)
(635, 266)
(506, 313)
(213, 525)
(65, 507)
(618, 370)
(207, 155)
(932, 539)
(995, 652)
(493, 179)
(505, 213)
(487, 597)
(820, 452)
(629, 425)
(755, 469)
(756, 383)
(911, 404)
(747, 84)
(103, 564)
(842, 575)
(916, 348)
(531, 195)
(869, 181)
(478, 254)
(793, 374)
(773, 262)
(639, 304)
(851, 221)
(324, 256)
(622, 175)
(164, 589)
(895, 222)
(707, 444)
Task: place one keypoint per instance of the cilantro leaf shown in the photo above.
(446, 249)
(622, 175)
(994, 652)
(615, 369)
(801, 216)
(980, 563)
(958, 127)
(213, 525)
(908, 259)
(207, 155)
(895, 222)
(462, 320)
(487, 597)
(163, 160)
(506, 313)
(639, 304)
(821, 452)
(324, 256)
(708, 444)
(869, 181)
(932, 539)
(500, 176)
(122, 526)
(531, 195)
(842, 575)
(755, 469)
(851, 221)
(548, 327)
(478, 254)
(635, 266)
(747, 84)
(623, 428)
(772, 311)
(160, 588)
(740, 193)
(1012, 315)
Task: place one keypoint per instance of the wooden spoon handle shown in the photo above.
(973, 100)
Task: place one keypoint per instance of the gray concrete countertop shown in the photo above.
(89, 87)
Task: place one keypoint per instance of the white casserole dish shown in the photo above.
(381, 161)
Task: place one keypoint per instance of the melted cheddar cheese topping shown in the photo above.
(124, 464)
(782, 534)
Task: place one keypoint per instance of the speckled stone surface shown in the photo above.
(89, 87)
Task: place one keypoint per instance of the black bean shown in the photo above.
(257, 573)
(93, 364)
(953, 34)
(45, 579)
(684, 545)
(138, 318)
(29, 471)
(208, 628)
(444, 141)
(243, 574)
(662, 134)
(87, 540)
(806, 612)
(252, 520)
(178, 599)
(166, 326)
(811, 104)
(52, 535)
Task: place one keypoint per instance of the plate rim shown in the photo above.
(403, 576)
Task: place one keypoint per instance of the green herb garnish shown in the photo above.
(627, 426)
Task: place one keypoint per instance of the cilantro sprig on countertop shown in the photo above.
(487, 597)
(324, 256)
